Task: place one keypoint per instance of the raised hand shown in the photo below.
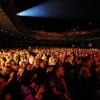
(7, 97)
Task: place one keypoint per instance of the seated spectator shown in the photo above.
(58, 85)
(49, 72)
(96, 81)
(29, 67)
(41, 72)
(71, 80)
(52, 60)
(85, 86)
(12, 83)
(5, 94)
(44, 57)
(29, 89)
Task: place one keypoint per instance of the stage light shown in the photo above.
(49, 9)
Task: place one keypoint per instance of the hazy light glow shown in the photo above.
(64, 9)
(50, 9)
(47, 9)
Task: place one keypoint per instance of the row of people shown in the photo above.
(69, 33)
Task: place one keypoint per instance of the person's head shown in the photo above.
(29, 67)
(60, 71)
(50, 68)
(23, 65)
(26, 60)
(86, 73)
(86, 63)
(9, 70)
(15, 67)
(37, 63)
(42, 63)
(12, 62)
(20, 71)
(2, 82)
(67, 59)
(62, 59)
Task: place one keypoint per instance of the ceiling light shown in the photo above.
(77, 27)
(89, 23)
(1, 30)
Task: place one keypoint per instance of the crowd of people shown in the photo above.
(50, 73)
(73, 32)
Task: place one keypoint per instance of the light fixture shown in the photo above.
(5, 31)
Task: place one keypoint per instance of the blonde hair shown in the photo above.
(4, 71)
